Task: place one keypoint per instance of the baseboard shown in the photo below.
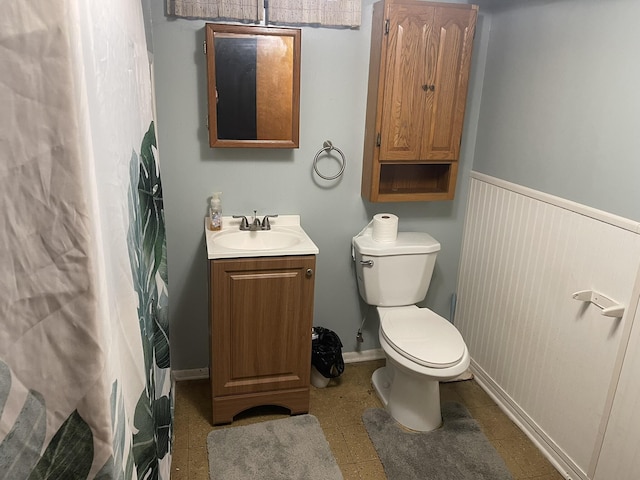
(191, 374)
(565, 466)
(466, 375)
(348, 357)
(378, 354)
(363, 355)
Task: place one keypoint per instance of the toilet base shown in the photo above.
(382, 385)
(412, 400)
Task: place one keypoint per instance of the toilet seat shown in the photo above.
(422, 336)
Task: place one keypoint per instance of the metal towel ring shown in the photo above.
(327, 147)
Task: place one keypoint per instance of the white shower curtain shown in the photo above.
(85, 390)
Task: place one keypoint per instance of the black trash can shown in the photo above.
(326, 356)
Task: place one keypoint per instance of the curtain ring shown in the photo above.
(327, 147)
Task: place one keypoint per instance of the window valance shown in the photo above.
(329, 13)
(241, 10)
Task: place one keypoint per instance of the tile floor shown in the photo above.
(338, 408)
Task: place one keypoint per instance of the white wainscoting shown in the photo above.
(620, 455)
(550, 361)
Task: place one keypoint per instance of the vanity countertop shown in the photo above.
(286, 237)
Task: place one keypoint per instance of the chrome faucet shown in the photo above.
(251, 227)
(255, 224)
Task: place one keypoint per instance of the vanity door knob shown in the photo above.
(426, 88)
(309, 272)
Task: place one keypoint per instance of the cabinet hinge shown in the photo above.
(378, 140)
(386, 26)
(206, 120)
(204, 47)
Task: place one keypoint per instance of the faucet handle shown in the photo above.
(266, 225)
(244, 223)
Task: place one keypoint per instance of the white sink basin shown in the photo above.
(259, 241)
(286, 237)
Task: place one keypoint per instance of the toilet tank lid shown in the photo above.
(407, 243)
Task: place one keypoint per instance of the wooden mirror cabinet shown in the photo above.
(253, 83)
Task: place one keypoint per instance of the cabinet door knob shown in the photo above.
(428, 87)
(309, 272)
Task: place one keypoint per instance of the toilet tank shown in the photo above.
(395, 273)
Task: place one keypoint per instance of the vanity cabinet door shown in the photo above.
(261, 317)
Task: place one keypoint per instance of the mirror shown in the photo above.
(253, 82)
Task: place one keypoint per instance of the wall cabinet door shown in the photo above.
(261, 319)
(418, 81)
(449, 50)
(407, 101)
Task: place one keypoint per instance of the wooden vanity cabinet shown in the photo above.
(418, 81)
(260, 315)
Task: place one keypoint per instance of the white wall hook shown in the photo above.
(610, 308)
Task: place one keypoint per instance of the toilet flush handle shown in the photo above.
(366, 263)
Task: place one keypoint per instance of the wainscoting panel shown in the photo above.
(620, 455)
(548, 358)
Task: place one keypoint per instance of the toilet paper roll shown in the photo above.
(385, 228)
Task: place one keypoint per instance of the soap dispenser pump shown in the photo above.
(215, 212)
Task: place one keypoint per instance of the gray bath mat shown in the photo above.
(456, 451)
(288, 448)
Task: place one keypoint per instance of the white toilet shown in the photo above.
(421, 347)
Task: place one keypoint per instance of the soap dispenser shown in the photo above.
(215, 212)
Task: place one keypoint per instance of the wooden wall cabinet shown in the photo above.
(418, 80)
(260, 314)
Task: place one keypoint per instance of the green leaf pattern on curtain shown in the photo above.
(147, 255)
(113, 469)
(21, 448)
(5, 385)
(69, 455)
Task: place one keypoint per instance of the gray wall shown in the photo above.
(334, 87)
(561, 101)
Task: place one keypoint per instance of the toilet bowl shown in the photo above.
(422, 349)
